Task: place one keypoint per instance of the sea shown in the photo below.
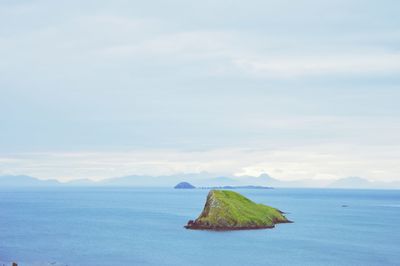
(144, 226)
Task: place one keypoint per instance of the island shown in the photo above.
(238, 187)
(184, 185)
(229, 210)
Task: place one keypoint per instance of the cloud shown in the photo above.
(339, 64)
(196, 44)
(115, 42)
(127, 76)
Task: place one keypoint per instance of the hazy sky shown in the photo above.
(298, 89)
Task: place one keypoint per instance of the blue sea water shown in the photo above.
(125, 226)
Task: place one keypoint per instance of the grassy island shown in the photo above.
(228, 210)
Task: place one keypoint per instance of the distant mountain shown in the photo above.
(268, 181)
(222, 181)
(155, 181)
(262, 180)
(25, 181)
(140, 181)
(351, 182)
(122, 181)
(218, 181)
(362, 183)
(81, 182)
(208, 180)
(201, 180)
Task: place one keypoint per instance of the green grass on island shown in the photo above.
(228, 210)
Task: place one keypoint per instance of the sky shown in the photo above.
(297, 89)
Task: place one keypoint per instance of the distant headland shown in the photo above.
(187, 185)
(237, 187)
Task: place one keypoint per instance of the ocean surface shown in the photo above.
(126, 226)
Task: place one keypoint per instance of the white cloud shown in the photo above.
(321, 65)
(178, 45)
(129, 76)
(80, 40)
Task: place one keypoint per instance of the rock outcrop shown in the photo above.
(228, 210)
(184, 185)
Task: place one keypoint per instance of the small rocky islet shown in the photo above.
(184, 185)
(228, 210)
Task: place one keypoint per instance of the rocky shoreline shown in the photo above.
(195, 226)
